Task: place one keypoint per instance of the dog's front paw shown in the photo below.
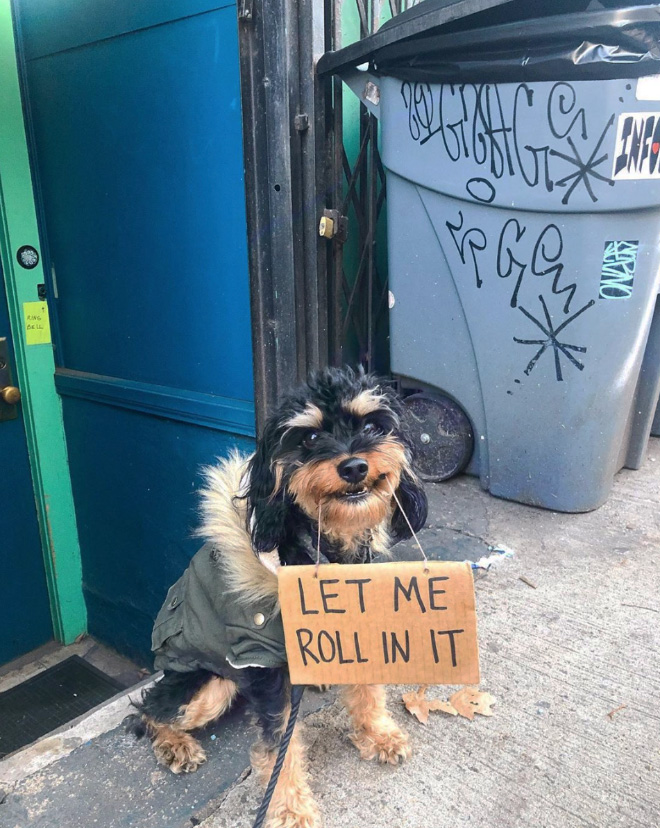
(301, 814)
(182, 754)
(387, 743)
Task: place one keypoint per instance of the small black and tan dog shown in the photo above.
(321, 483)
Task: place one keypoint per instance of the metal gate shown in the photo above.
(358, 293)
(314, 300)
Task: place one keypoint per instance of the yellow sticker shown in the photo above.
(37, 323)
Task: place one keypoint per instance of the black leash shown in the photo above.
(297, 691)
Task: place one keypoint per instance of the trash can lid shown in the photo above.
(427, 16)
(437, 41)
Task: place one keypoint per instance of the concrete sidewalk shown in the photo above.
(558, 658)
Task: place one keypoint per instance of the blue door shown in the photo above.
(136, 125)
(25, 620)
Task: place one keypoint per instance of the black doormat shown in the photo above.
(49, 700)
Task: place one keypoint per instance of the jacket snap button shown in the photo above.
(260, 619)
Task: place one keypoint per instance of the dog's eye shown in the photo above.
(310, 439)
(371, 428)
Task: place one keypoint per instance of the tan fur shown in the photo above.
(375, 733)
(209, 703)
(278, 471)
(293, 804)
(350, 524)
(310, 417)
(174, 748)
(224, 517)
(365, 402)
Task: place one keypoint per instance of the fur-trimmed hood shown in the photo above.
(223, 511)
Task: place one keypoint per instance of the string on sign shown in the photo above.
(412, 531)
(318, 543)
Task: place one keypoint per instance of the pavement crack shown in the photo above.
(466, 533)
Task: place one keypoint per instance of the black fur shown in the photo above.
(412, 498)
(267, 692)
(163, 701)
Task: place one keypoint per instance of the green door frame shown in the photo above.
(35, 366)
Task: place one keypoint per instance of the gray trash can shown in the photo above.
(523, 187)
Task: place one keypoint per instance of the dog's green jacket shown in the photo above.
(205, 624)
(223, 613)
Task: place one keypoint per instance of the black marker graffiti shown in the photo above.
(418, 100)
(585, 169)
(551, 238)
(561, 102)
(539, 155)
(477, 242)
(481, 190)
(506, 263)
(552, 341)
(497, 131)
(515, 255)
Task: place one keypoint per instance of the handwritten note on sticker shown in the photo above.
(37, 323)
(390, 623)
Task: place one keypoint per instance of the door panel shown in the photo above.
(140, 148)
(25, 620)
(135, 487)
(136, 124)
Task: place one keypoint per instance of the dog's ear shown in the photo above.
(414, 503)
(267, 502)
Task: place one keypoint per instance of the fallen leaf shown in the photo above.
(443, 707)
(417, 704)
(469, 701)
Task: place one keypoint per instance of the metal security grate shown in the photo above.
(358, 294)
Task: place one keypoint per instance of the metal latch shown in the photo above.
(333, 225)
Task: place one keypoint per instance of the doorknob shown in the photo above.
(10, 394)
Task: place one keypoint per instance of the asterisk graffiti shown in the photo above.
(585, 169)
(552, 341)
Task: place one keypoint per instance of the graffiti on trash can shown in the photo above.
(637, 147)
(497, 129)
(519, 256)
(516, 253)
(550, 340)
(618, 271)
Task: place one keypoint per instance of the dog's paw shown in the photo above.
(181, 755)
(389, 744)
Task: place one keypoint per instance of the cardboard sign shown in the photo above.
(390, 623)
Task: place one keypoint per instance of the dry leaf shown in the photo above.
(469, 701)
(417, 704)
(443, 707)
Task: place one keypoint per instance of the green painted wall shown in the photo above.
(35, 365)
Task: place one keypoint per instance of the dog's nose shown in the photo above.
(353, 470)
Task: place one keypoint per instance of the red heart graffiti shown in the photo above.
(656, 148)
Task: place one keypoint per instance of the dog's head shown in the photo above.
(335, 450)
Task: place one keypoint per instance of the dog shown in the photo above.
(328, 481)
